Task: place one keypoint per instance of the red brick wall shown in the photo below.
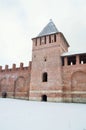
(64, 83)
(51, 51)
(74, 83)
(15, 82)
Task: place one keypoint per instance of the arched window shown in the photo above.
(44, 77)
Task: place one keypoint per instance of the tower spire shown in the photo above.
(50, 28)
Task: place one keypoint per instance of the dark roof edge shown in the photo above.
(45, 35)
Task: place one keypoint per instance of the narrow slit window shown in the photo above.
(49, 39)
(40, 40)
(45, 39)
(62, 61)
(35, 42)
(45, 59)
(54, 37)
(44, 77)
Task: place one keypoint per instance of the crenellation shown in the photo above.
(14, 67)
(21, 66)
(6, 67)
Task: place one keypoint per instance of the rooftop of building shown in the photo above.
(50, 28)
(73, 53)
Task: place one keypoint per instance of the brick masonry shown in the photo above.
(15, 82)
(63, 83)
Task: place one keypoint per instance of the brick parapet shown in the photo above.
(14, 68)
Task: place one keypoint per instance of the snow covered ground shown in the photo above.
(27, 115)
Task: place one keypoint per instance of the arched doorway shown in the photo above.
(44, 98)
(3, 87)
(4, 94)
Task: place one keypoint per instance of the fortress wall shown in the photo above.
(15, 81)
(74, 83)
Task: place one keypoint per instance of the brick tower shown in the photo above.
(46, 73)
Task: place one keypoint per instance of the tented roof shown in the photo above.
(50, 28)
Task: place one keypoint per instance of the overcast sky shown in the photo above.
(21, 20)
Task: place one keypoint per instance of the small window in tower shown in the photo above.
(45, 59)
(44, 77)
(35, 42)
(54, 37)
(62, 61)
(45, 39)
(40, 40)
(49, 38)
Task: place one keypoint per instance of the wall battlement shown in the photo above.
(14, 68)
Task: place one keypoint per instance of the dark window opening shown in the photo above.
(82, 59)
(44, 98)
(45, 39)
(40, 40)
(35, 42)
(45, 59)
(71, 60)
(49, 38)
(44, 77)
(4, 94)
(54, 37)
(62, 61)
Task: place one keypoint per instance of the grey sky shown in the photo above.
(21, 20)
